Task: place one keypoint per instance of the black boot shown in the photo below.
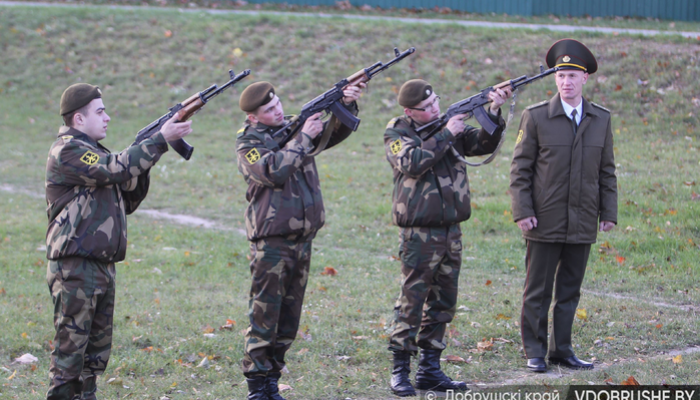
(400, 382)
(256, 388)
(271, 388)
(429, 375)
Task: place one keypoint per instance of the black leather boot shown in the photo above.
(400, 382)
(271, 388)
(431, 377)
(256, 388)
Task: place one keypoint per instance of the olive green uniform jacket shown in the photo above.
(566, 181)
(86, 198)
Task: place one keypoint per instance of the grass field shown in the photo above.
(180, 283)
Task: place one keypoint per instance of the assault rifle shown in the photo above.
(330, 101)
(186, 109)
(474, 105)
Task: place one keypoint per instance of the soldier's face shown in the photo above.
(430, 110)
(570, 85)
(270, 114)
(94, 122)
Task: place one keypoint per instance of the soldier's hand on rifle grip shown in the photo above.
(498, 97)
(456, 124)
(173, 130)
(352, 92)
(313, 126)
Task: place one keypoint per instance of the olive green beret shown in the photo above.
(413, 92)
(78, 95)
(571, 54)
(256, 95)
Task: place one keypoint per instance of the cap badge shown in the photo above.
(427, 92)
(566, 59)
(271, 95)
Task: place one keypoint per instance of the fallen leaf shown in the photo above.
(168, 33)
(282, 387)
(677, 359)
(237, 52)
(658, 326)
(501, 316)
(330, 271)
(630, 382)
(581, 314)
(620, 259)
(25, 358)
(488, 282)
(12, 376)
(302, 351)
(360, 337)
(485, 345)
(230, 324)
(455, 359)
(208, 329)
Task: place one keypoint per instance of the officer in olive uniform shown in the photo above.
(89, 192)
(284, 213)
(430, 199)
(563, 189)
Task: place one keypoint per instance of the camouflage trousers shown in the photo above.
(430, 264)
(280, 271)
(83, 296)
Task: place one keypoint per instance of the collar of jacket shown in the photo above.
(76, 134)
(556, 109)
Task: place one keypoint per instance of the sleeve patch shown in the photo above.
(520, 137)
(396, 146)
(252, 156)
(67, 138)
(90, 158)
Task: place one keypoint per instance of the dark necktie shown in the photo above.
(573, 121)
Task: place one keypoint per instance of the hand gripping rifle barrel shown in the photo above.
(474, 105)
(329, 101)
(187, 109)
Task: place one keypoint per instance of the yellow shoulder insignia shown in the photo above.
(396, 146)
(252, 156)
(66, 138)
(601, 107)
(240, 131)
(520, 137)
(392, 123)
(537, 105)
(90, 158)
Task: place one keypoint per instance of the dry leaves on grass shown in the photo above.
(330, 271)
(456, 359)
(229, 325)
(630, 382)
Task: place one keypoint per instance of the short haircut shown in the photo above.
(68, 118)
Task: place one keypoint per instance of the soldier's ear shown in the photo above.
(252, 118)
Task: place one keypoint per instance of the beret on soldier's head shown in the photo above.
(256, 95)
(571, 54)
(78, 95)
(413, 92)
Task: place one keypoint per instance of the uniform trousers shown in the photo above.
(431, 258)
(551, 266)
(280, 271)
(83, 292)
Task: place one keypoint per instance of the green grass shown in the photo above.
(202, 276)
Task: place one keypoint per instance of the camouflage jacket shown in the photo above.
(284, 192)
(86, 195)
(431, 187)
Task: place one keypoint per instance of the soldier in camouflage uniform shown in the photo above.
(284, 214)
(89, 192)
(430, 199)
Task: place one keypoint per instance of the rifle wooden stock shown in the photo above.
(189, 109)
